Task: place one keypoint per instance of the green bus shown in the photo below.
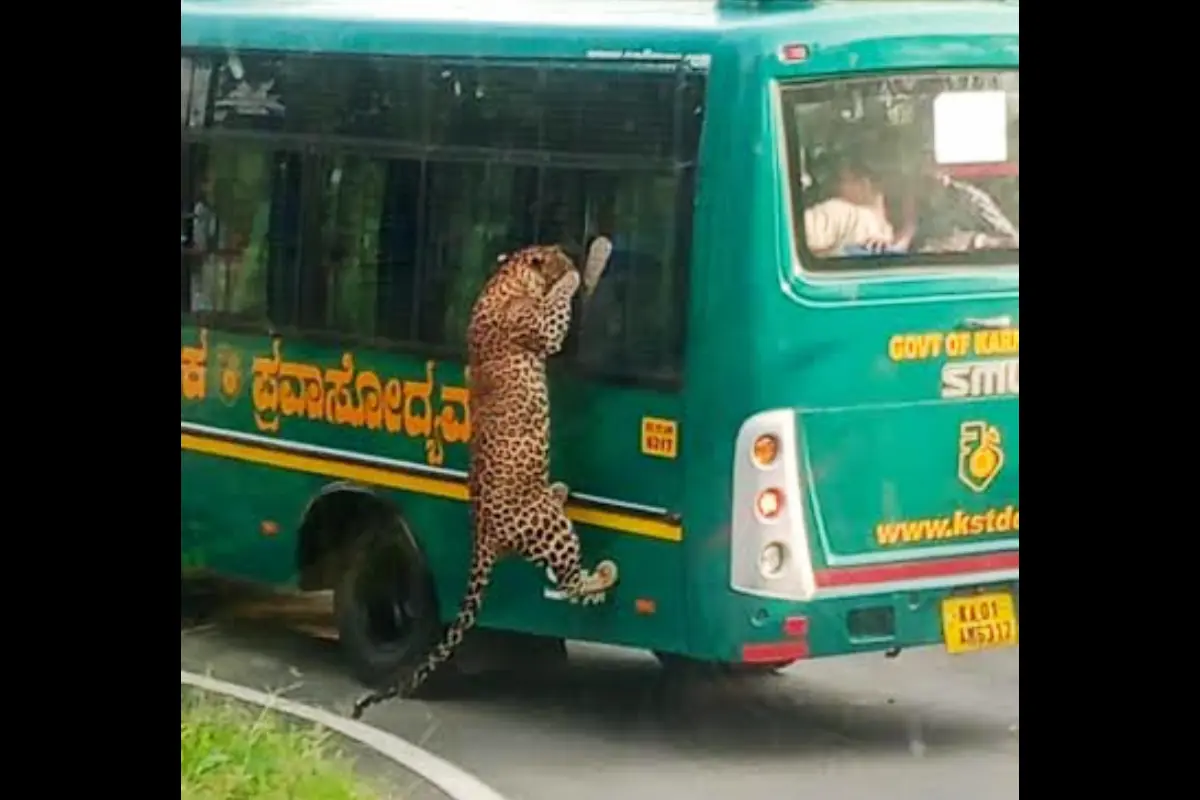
(788, 409)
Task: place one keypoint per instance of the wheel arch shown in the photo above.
(333, 519)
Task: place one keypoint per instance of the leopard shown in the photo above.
(520, 318)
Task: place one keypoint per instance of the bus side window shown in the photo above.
(630, 321)
(481, 208)
(471, 222)
(616, 148)
(226, 240)
(414, 174)
(344, 263)
(187, 247)
(358, 268)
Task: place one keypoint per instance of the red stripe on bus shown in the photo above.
(916, 570)
(774, 652)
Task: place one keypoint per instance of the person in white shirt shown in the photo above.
(855, 217)
(206, 234)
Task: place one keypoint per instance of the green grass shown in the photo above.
(228, 751)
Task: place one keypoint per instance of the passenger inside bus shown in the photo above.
(960, 216)
(906, 167)
(855, 216)
(618, 275)
(934, 212)
(205, 273)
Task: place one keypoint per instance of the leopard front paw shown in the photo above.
(595, 583)
(604, 576)
(594, 599)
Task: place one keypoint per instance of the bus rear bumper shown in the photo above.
(965, 618)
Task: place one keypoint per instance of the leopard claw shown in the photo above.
(592, 599)
(605, 575)
(560, 491)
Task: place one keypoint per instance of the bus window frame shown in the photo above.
(939, 273)
(310, 147)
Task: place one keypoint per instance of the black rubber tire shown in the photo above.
(385, 605)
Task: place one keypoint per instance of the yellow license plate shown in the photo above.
(979, 622)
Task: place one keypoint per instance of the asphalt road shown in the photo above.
(925, 726)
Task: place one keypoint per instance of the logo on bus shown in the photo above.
(979, 363)
(229, 380)
(980, 455)
(1001, 377)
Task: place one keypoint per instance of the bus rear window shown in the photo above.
(905, 170)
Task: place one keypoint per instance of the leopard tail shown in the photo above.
(482, 563)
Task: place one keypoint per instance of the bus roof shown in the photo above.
(566, 28)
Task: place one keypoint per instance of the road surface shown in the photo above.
(923, 726)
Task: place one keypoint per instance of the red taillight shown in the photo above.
(774, 652)
(793, 53)
(795, 648)
(796, 626)
(769, 503)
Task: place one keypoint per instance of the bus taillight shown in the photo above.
(769, 504)
(772, 560)
(769, 549)
(766, 450)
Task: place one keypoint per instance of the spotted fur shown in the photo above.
(520, 318)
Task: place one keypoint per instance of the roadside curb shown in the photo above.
(456, 783)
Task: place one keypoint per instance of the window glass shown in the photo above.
(249, 92)
(352, 207)
(416, 175)
(614, 113)
(561, 110)
(187, 256)
(631, 316)
(471, 222)
(908, 169)
(227, 235)
(382, 98)
(496, 107)
(185, 89)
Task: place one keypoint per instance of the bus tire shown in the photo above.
(385, 606)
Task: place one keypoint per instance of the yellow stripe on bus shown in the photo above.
(393, 479)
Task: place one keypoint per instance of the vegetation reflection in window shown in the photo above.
(484, 158)
(230, 222)
(630, 318)
(471, 224)
(350, 251)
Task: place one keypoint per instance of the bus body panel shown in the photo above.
(820, 345)
(940, 476)
(248, 476)
(910, 434)
(758, 337)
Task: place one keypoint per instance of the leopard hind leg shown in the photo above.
(549, 540)
(483, 562)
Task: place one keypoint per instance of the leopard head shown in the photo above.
(544, 265)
